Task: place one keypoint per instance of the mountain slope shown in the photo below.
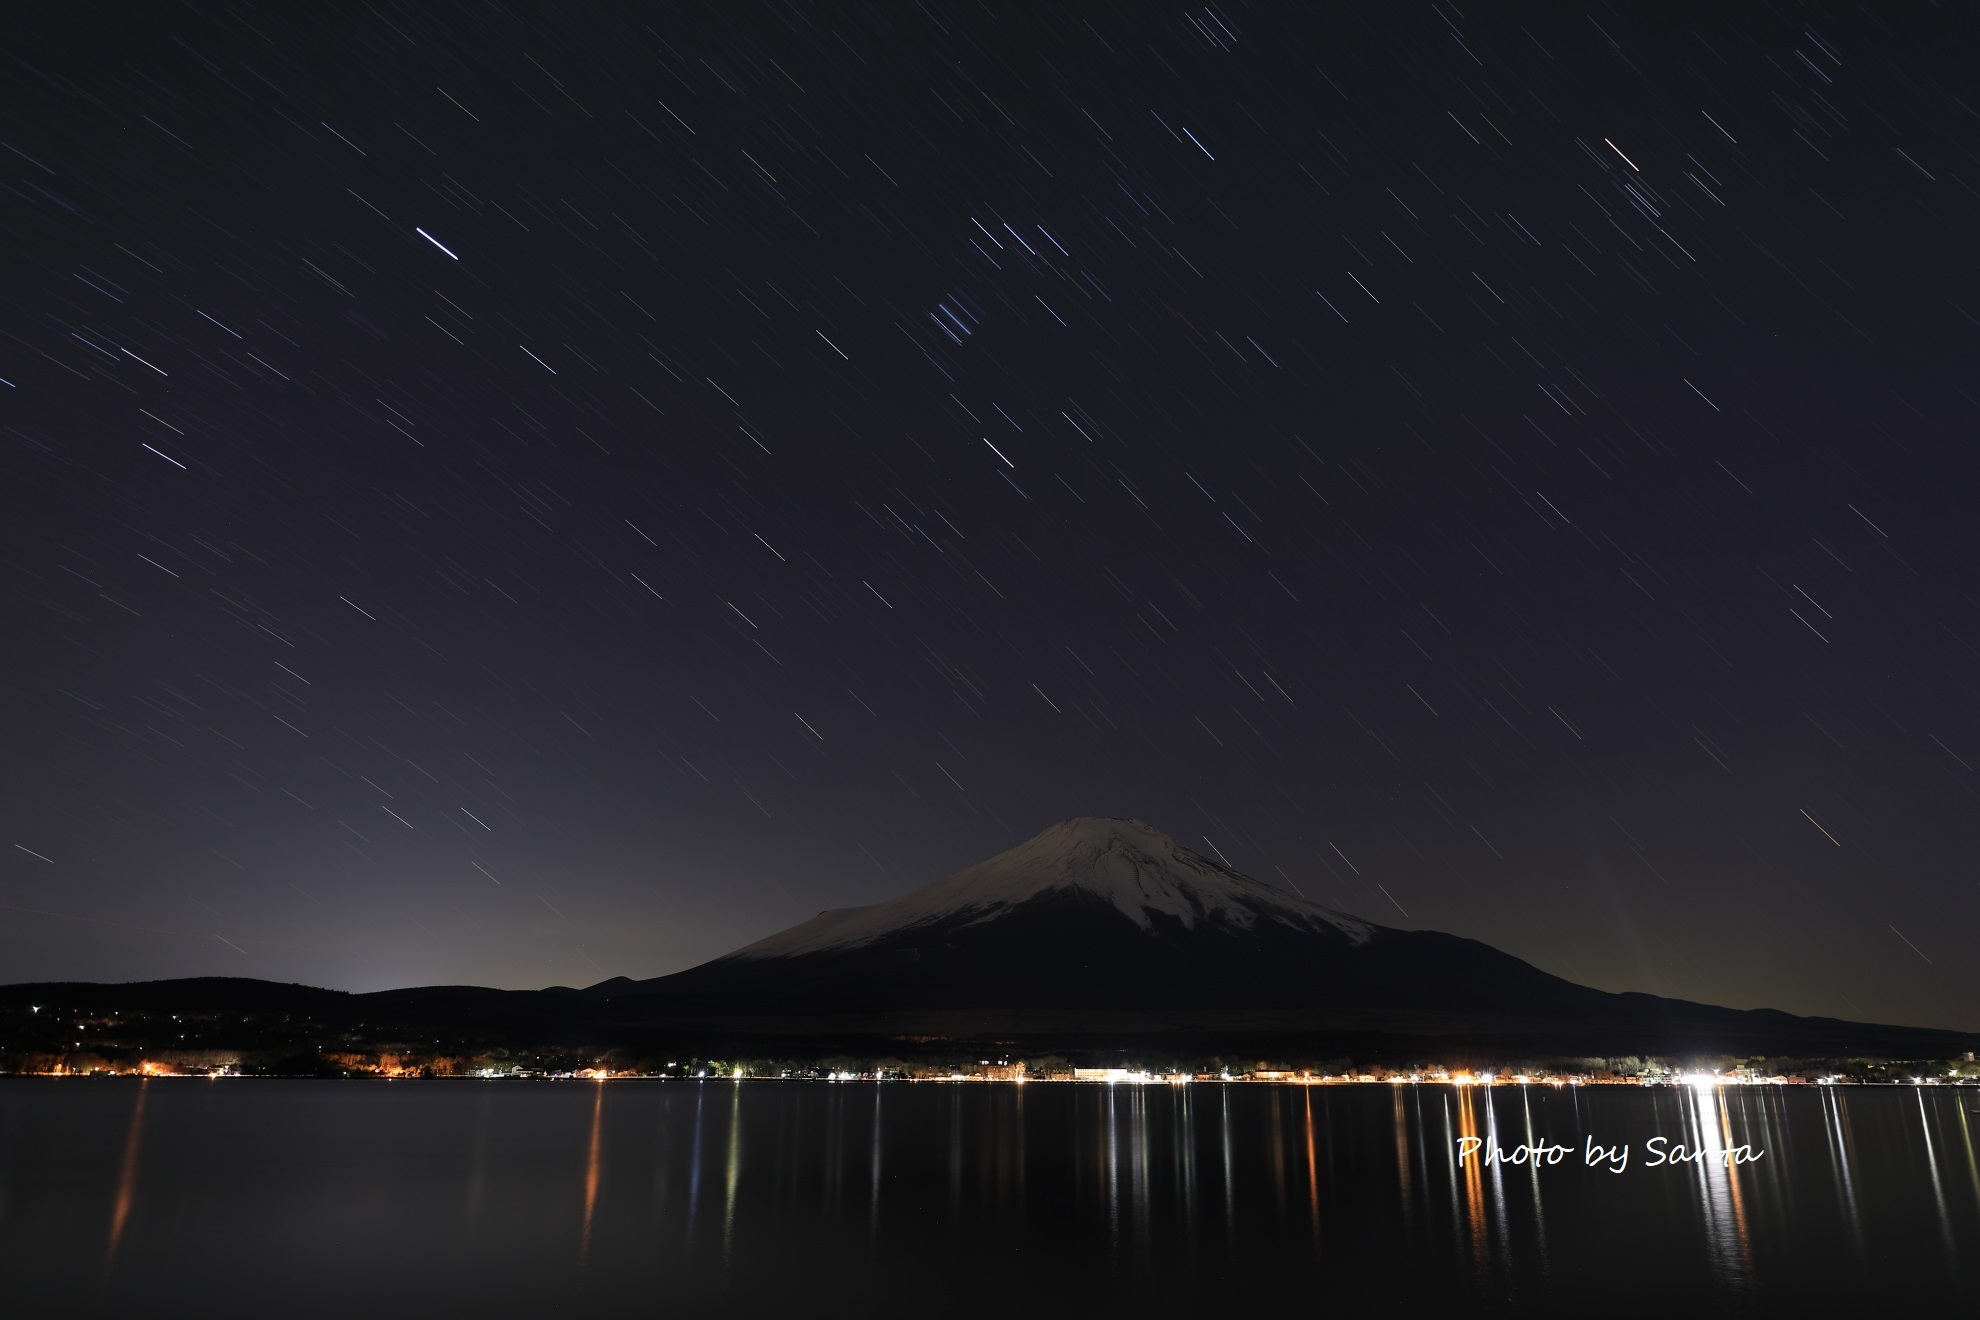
(1108, 914)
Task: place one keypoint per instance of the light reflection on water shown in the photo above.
(593, 1169)
(787, 1192)
(126, 1176)
(1708, 1127)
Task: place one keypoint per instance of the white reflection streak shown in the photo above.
(1113, 1178)
(1533, 1174)
(1839, 1160)
(1450, 1163)
(1717, 1196)
(1499, 1227)
(1230, 1183)
(1186, 1140)
(734, 1170)
(1138, 1170)
(1932, 1164)
(873, 1209)
(694, 1162)
(1421, 1129)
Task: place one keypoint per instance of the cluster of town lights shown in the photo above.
(1110, 1076)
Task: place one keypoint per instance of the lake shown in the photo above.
(307, 1197)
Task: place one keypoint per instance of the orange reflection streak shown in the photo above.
(1966, 1139)
(1474, 1178)
(126, 1178)
(1312, 1169)
(591, 1171)
(1402, 1146)
(1732, 1183)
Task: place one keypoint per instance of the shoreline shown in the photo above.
(1557, 1083)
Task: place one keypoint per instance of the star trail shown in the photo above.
(518, 494)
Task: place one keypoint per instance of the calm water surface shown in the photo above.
(298, 1197)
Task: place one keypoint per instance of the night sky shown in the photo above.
(517, 494)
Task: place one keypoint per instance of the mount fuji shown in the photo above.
(1093, 937)
(1107, 914)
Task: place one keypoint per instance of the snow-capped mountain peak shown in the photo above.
(1136, 868)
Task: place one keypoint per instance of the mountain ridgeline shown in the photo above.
(1094, 936)
(1113, 915)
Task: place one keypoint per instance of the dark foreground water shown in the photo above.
(281, 1197)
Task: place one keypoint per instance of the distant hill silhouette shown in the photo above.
(1095, 930)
